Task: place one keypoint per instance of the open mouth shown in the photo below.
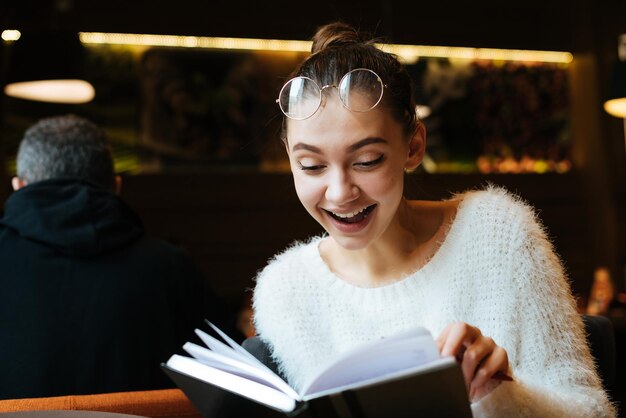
(352, 218)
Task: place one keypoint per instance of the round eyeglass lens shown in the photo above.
(360, 90)
(300, 98)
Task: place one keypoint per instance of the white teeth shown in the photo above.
(348, 215)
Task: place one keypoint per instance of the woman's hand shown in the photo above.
(479, 356)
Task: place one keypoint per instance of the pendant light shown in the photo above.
(47, 66)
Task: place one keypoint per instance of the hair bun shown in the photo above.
(335, 34)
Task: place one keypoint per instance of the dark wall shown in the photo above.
(232, 223)
(531, 24)
(433, 23)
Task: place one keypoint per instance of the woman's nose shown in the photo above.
(341, 189)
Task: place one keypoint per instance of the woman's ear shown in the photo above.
(417, 148)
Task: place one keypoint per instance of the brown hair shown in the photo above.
(338, 48)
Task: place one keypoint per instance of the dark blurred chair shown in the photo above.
(600, 336)
(601, 340)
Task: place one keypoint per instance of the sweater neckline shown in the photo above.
(326, 274)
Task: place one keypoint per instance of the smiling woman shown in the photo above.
(468, 269)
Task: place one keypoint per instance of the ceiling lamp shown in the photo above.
(48, 67)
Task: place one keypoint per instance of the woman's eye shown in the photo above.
(371, 163)
(310, 167)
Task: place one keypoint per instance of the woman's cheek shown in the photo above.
(306, 189)
(385, 182)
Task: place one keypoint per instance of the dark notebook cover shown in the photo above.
(439, 393)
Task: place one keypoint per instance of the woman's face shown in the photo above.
(348, 169)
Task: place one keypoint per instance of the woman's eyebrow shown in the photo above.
(306, 147)
(367, 141)
(352, 148)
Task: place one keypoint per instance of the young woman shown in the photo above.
(476, 270)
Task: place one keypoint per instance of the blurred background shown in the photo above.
(511, 94)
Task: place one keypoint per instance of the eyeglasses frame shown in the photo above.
(321, 90)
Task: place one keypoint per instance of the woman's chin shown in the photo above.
(352, 243)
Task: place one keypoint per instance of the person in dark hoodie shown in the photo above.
(89, 303)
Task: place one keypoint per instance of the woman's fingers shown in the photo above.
(441, 339)
(456, 339)
(479, 356)
(474, 357)
(458, 335)
(496, 361)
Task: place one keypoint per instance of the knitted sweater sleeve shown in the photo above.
(549, 357)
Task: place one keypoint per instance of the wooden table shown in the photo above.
(65, 413)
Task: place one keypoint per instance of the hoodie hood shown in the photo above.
(72, 216)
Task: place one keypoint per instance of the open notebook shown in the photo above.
(402, 375)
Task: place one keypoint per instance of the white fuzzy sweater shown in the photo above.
(495, 270)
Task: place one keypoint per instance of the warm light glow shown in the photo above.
(195, 42)
(526, 164)
(616, 107)
(408, 53)
(423, 111)
(411, 53)
(11, 35)
(429, 164)
(52, 91)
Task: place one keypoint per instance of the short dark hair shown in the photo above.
(66, 146)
